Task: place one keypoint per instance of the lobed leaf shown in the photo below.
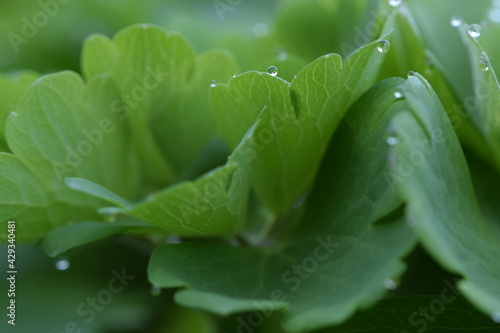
(62, 239)
(12, 87)
(431, 174)
(164, 88)
(297, 120)
(57, 131)
(484, 106)
(347, 244)
(212, 205)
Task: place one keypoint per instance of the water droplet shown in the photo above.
(411, 73)
(390, 284)
(13, 114)
(398, 94)
(496, 317)
(110, 213)
(474, 30)
(494, 15)
(456, 21)
(155, 291)
(484, 65)
(260, 30)
(213, 83)
(174, 240)
(272, 70)
(392, 140)
(383, 46)
(62, 264)
(394, 3)
(234, 75)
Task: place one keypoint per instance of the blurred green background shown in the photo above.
(259, 33)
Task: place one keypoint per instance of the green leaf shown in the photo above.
(199, 208)
(65, 128)
(297, 120)
(164, 89)
(431, 174)
(407, 51)
(486, 102)
(12, 87)
(441, 38)
(212, 205)
(58, 130)
(487, 39)
(337, 259)
(408, 54)
(440, 313)
(63, 239)
(96, 190)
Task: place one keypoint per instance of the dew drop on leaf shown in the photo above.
(411, 73)
(62, 264)
(456, 21)
(394, 3)
(392, 140)
(383, 46)
(13, 114)
(474, 30)
(272, 70)
(213, 84)
(390, 284)
(484, 65)
(398, 94)
(174, 240)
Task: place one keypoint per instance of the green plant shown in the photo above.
(299, 190)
